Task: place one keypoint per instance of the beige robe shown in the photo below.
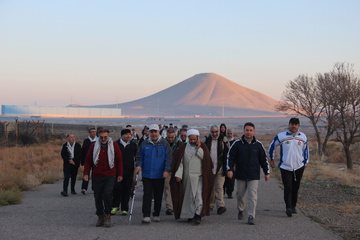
(190, 171)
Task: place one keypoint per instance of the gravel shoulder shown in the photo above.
(335, 207)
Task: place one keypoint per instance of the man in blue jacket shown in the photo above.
(154, 160)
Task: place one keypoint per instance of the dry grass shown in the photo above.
(333, 168)
(23, 168)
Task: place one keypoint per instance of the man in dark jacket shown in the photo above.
(106, 160)
(85, 148)
(122, 190)
(218, 146)
(174, 143)
(248, 155)
(71, 155)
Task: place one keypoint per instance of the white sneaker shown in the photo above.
(146, 220)
(157, 219)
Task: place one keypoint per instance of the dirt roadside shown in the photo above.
(333, 206)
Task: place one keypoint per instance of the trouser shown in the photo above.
(121, 193)
(229, 186)
(85, 184)
(291, 181)
(103, 188)
(248, 188)
(217, 193)
(167, 193)
(70, 172)
(152, 187)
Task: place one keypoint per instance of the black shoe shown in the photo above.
(294, 211)
(289, 212)
(197, 219)
(240, 215)
(221, 210)
(190, 219)
(73, 193)
(169, 211)
(251, 220)
(230, 196)
(64, 194)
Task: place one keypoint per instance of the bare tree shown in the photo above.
(345, 99)
(301, 97)
(328, 101)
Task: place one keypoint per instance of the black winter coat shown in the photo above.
(65, 155)
(128, 158)
(248, 158)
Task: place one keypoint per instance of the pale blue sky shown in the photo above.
(59, 52)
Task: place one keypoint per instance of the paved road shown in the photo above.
(45, 214)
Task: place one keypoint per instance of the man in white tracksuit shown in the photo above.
(294, 155)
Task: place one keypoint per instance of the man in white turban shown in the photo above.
(192, 180)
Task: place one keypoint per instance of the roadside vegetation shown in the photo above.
(23, 168)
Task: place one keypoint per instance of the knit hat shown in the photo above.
(125, 131)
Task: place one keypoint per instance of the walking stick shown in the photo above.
(133, 188)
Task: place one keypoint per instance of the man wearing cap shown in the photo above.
(294, 155)
(153, 159)
(122, 190)
(192, 180)
(106, 160)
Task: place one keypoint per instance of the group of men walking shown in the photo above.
(191, 171)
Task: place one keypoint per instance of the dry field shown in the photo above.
(23, 168)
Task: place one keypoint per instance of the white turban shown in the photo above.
(192, 132)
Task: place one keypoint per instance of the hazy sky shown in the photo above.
(55, 53)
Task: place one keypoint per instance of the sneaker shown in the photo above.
(197, 219)
(107, 221)
(73, 193)
(289, 212)
(83, 191)
(251, 220)
(100, 221)
(156, 219)
(240, 215)
(146, 220)
(221, 210)
(294, 211)
(169, 211)
(64, 194)
(114, 210)
(124, 213)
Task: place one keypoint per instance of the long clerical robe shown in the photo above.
(192, 194)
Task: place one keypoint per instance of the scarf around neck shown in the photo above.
(71, 149)
(111, 152)
(93, 140)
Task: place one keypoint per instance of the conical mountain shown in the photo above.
(205, 94)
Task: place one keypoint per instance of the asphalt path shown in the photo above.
(45, 214)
